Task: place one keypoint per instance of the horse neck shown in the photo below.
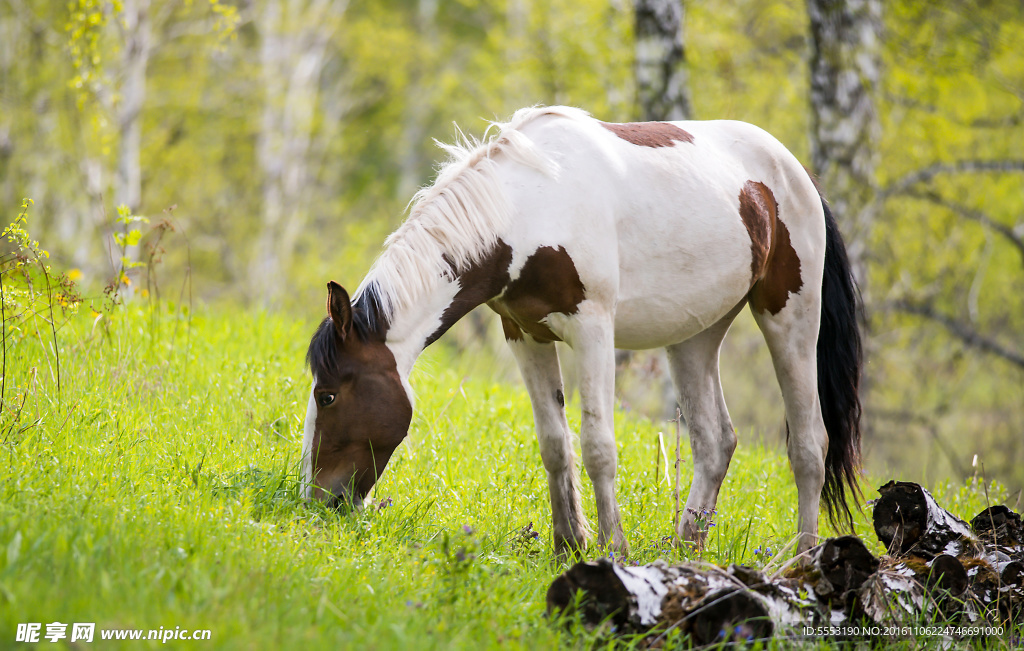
(411, 327)
(415, 326)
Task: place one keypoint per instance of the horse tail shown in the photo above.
(840, 357)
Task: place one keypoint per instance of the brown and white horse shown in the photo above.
(602, 235)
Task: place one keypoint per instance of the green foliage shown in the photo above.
(950, 94)
(31, 302)
(31, 291)
(226, 20)
(87, 20)
(126, 239)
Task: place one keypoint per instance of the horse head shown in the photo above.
(359, 410)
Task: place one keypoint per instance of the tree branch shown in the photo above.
(924, 174)
(974, 215)
(1006, 121)
(962, 331)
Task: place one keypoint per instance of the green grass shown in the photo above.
(159, 488)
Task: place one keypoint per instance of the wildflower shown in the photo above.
(468, 530)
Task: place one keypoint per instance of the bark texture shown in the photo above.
(661, 77)
(845, 73)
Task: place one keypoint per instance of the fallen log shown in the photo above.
(706, 604)
(939, 569)
(999, 526)
(908, 521)
(912, 525)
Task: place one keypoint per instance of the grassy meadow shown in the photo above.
(159, 487)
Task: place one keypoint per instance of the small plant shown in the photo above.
(125, 239)
(703, 520)
(137, 252)
(525, 541)
(34, 304)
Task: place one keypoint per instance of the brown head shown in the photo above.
(359, 411)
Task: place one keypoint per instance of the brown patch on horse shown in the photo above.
(759, 211)
(511, 330)
(548, 283)
(477, 285)
(774, 265)
(650, 134)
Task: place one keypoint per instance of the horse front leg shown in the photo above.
(593, 340)
(542, 375)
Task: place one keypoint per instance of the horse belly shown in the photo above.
(679, 274)
(642, 325)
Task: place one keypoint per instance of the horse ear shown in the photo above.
(339, 308)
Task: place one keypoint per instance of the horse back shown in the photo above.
(667, 225)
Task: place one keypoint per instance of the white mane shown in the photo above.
(460, 217)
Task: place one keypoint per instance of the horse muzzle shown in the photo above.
(345, 502)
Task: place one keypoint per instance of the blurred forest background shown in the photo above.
(282, 139)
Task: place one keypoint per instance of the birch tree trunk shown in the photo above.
(662, 81)
(417, 112)
(845, 73)
(137, 47)
(295, 36)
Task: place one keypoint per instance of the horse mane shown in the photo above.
(456, 221)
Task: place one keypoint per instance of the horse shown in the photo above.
(602, 236)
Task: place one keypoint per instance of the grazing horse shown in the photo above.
(601, 235)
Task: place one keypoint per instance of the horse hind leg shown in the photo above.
(542, 375)
(694, 367)
(792, 335)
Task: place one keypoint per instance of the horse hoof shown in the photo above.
(569, 548)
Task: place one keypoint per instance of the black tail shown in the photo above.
(839, 366)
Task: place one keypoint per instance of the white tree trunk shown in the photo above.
(662, 80)
(135, 58)
(295, 36)
(845, 73)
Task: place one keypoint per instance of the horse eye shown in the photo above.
(326, 399)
